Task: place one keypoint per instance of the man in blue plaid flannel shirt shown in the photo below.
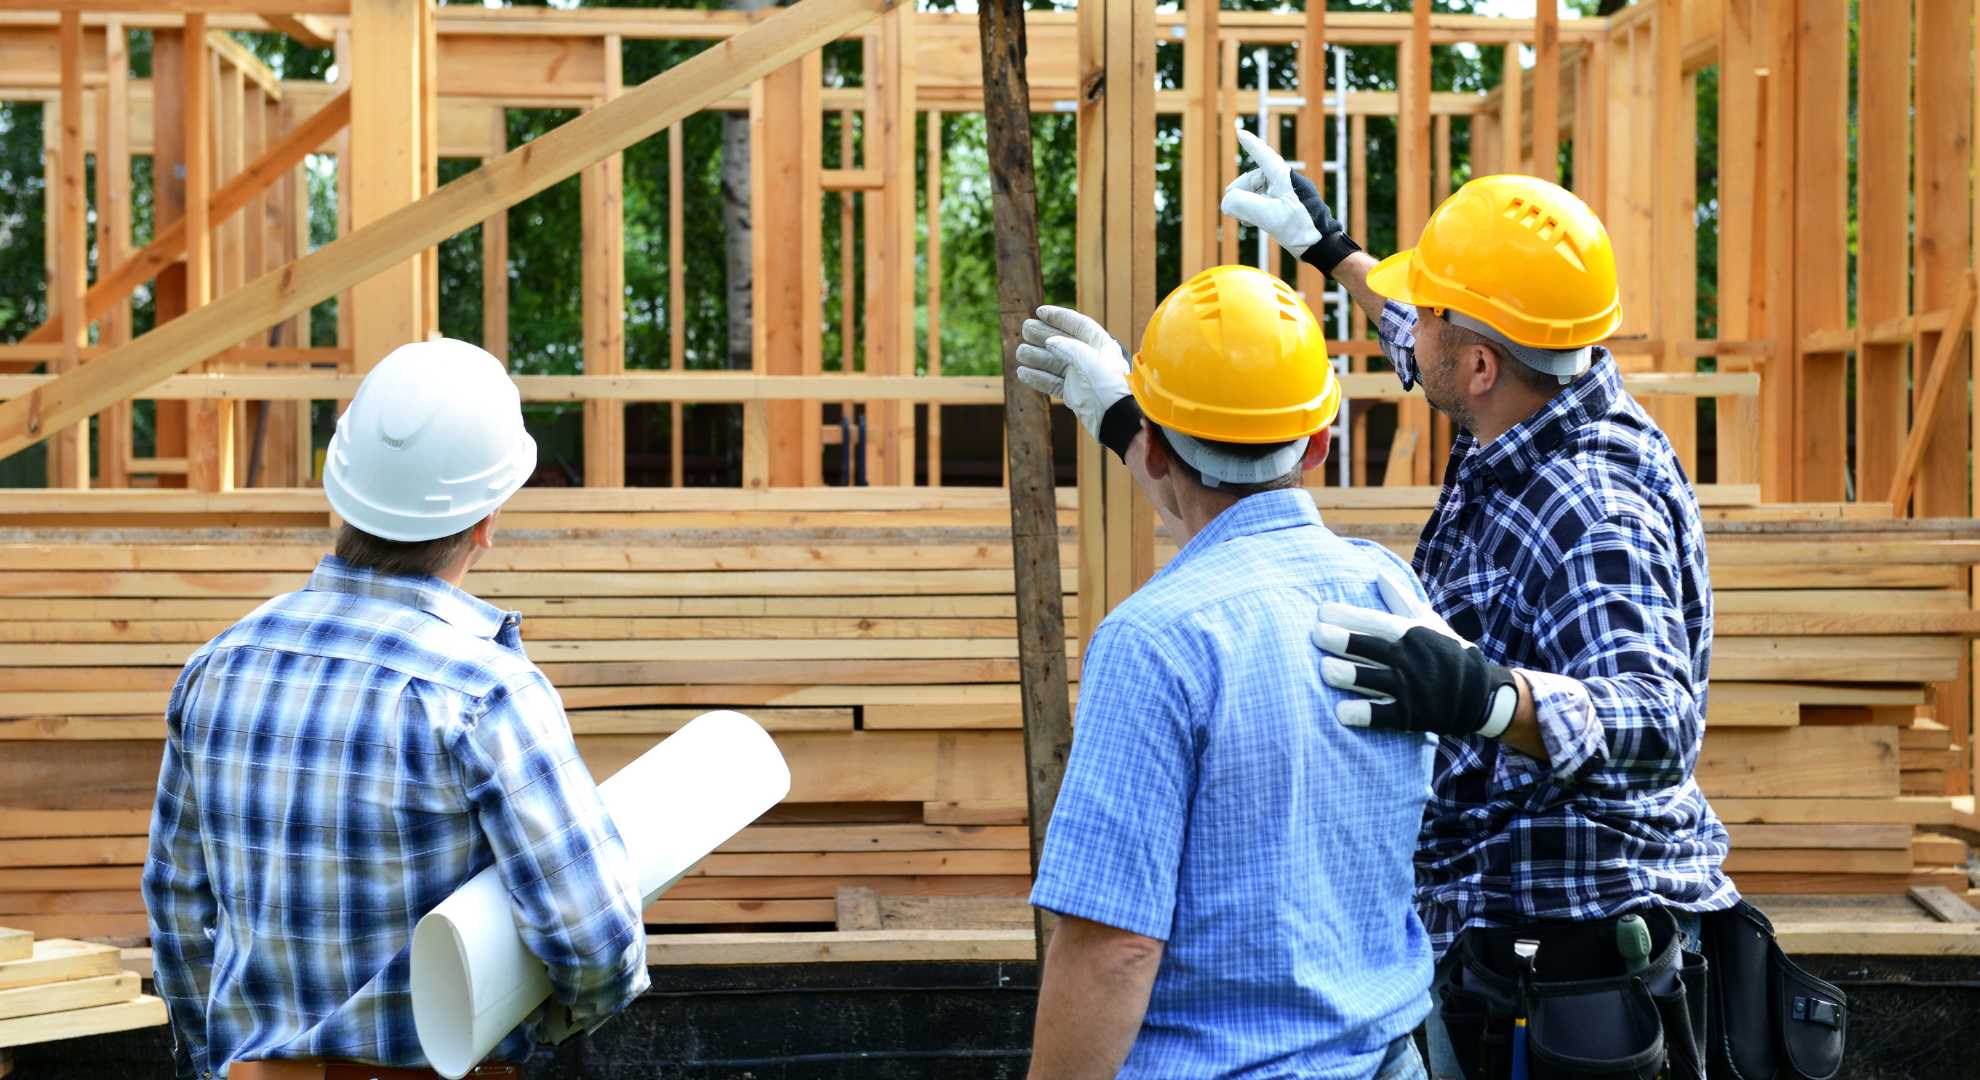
(344, 758)
(1564, 655)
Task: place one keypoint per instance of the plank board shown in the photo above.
(15, 944)
(140, 1012)
(58, 960)
(851, 946)
(1801, 761)
(65, 996)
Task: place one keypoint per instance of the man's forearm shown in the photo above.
(1352, 274)
(1091, 1000)
(1524, 733)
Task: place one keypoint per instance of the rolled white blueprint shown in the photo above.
(473, 980)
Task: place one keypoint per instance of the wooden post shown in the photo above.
(1413, 209)
(1944, 115)
(786, 154)
(386, 104)
(429, 156)
(602, 224)
(1027, 420)
(1313, 135)
(1675, 245)
(495, 255)
(1512, 98)
(1883, 258)
(933, 153)
(209, 424)
(168, 204)
(1772, 290)
(1821, 255)
(677, 296)
(1547, 91)
(1357, 223)
(1204, 167)
(68, 450)
(113, 215)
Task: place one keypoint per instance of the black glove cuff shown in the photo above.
(1119, 425)
(1328, 251)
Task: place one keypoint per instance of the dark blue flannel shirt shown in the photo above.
(338, 763)
(1570, 548)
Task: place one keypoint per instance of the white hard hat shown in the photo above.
(432, 443)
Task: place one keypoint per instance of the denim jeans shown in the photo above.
(1443, 1057)
(1403, 1062)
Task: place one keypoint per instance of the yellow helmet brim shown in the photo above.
(1390, 278)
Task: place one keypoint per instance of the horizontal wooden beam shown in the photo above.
(191, 7)
(1897, 331)
(640, 113)
(304, 28)
(170, 243)
(696, 386)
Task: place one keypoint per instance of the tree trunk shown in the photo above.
(1028, 419)
(735, 218)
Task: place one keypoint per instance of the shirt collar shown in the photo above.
(1264, 512)
(1531, 443)
(450, 605)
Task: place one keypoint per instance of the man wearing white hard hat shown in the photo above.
(344, 758)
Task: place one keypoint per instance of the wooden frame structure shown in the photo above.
(872, 626)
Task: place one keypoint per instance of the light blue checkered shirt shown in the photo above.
(338, 763)
(1213, 801)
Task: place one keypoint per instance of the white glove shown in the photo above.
(1288, 207)
(1411, 670)
(1072, 358)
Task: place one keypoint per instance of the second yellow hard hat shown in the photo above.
(1517, 253)
(1234, 355)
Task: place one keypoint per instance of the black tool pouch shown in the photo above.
(1773, 1020)
(1588, 1017)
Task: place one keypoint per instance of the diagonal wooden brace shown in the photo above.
(1957, 327)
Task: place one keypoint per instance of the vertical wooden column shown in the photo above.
(933, 152)
(113, 239)
(68, 450)
(1408, 454)
(1227, 136)
(1313, 141)
(1821, 257)
(1883, 256)
(602, 224)
(785, 157)
(209, 423)
(890, 329)
(387, 171)
(1771, 299)
(677, 296)
(495, 254)
(1203, 164)
(1944, 195)
(429, 155)
(1357, 225)
(1512, 102)
(1547, 91)
(1116, 243)
(1741, 233)
(1674, 249)
(168, 204)
(1591, 155)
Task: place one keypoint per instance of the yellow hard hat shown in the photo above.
(1234, 355)
(1519, 254)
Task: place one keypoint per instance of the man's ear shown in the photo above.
(1158, 453)
(484, 532)
(1316, 450)
(1482, 369)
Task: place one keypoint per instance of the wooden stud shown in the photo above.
(1313, 134)
(388, 175)
(1943, 113)
(68, 452)
(1883, 259)
(1229, 157)
(1776, 248)
(1821, 276)
(1202, 138)
(495, 255)
(1674, 249)
(1547, 90)
(1357, 167)
(113, 237)
(428, 153)
(1413, 202)
(209, 424)
(677, 294)
(168, 208)
(1741, 244)
(933, 152)
(602, 213)
(1512, 98)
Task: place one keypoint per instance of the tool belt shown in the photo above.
(1769, 1018)
(1587, 1017)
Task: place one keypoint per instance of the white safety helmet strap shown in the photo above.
(1219, 467)
(1563, 364)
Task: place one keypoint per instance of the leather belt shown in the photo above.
(351, 1070)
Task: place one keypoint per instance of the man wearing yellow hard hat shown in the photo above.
(1562, 658)
(1231, 876)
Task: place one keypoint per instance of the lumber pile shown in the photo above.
(60, 989)
(872, 630)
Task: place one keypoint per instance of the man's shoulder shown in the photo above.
(380, 633)
(1260, 573)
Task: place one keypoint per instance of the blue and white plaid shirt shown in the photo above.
(338, 763)
(1570, 548)
(1207, 805)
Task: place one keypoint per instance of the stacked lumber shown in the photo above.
(59, 989)
(873, 632)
